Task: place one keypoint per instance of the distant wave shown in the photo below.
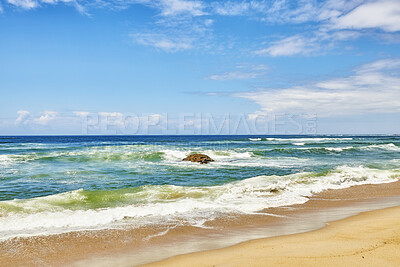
(313, 149)
(310, 139)
(339, 149)
(299, 144)
(148, 153)
(391, 147)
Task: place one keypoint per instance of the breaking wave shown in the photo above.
(82, 209)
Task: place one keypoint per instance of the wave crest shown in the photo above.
(81, 209)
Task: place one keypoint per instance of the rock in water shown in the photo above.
(203, 159)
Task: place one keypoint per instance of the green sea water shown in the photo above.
(59, 184)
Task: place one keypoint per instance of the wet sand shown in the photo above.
(368, 239)
(128, 247)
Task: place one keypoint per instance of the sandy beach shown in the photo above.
(369, 239)
(362, 235)
(199, 133)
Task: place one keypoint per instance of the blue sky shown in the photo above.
(199, 67)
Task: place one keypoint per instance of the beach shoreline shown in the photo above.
(127, 247)
(370, 239)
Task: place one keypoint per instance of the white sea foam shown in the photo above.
(226, 158)
(299, 144)
(5, 158)
(170, 154)
(220, 155)
(338, 149)
(309, 139)
(161, 203)
(279, 162)
(255, 139)
(390, 147)
(129, 153)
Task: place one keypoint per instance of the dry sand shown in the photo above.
(368, 239)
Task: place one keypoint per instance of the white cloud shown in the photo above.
(179, 26)
(56, 1)
(155, 116)
(379, 65)
(30, 4)
(289, 46)
(164, 42)
(81, 113)
(369, 90)
(306, 44)
(281, 11)
(23, 117)
(111, 114)
(114, 118)
(384, 15)
(26, 4)
(336, 21)
(46, 117)
(208, 22)
(187, 24)
(181, 7)
(231, 8)
(245, 72)
(166, 8)
(234, 75)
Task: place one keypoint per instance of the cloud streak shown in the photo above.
(188, 24)
(179, 7)
(289, 46)
(336, 21)
(370, 90)
(244, 72)
(32, 4)
(24, 118)
(307, 44)
(384, 15)
(46, 117)
(163, 41)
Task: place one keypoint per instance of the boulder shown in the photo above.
(201, 158)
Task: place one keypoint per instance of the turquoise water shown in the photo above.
(58, 184)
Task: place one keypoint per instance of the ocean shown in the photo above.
(58, 184)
